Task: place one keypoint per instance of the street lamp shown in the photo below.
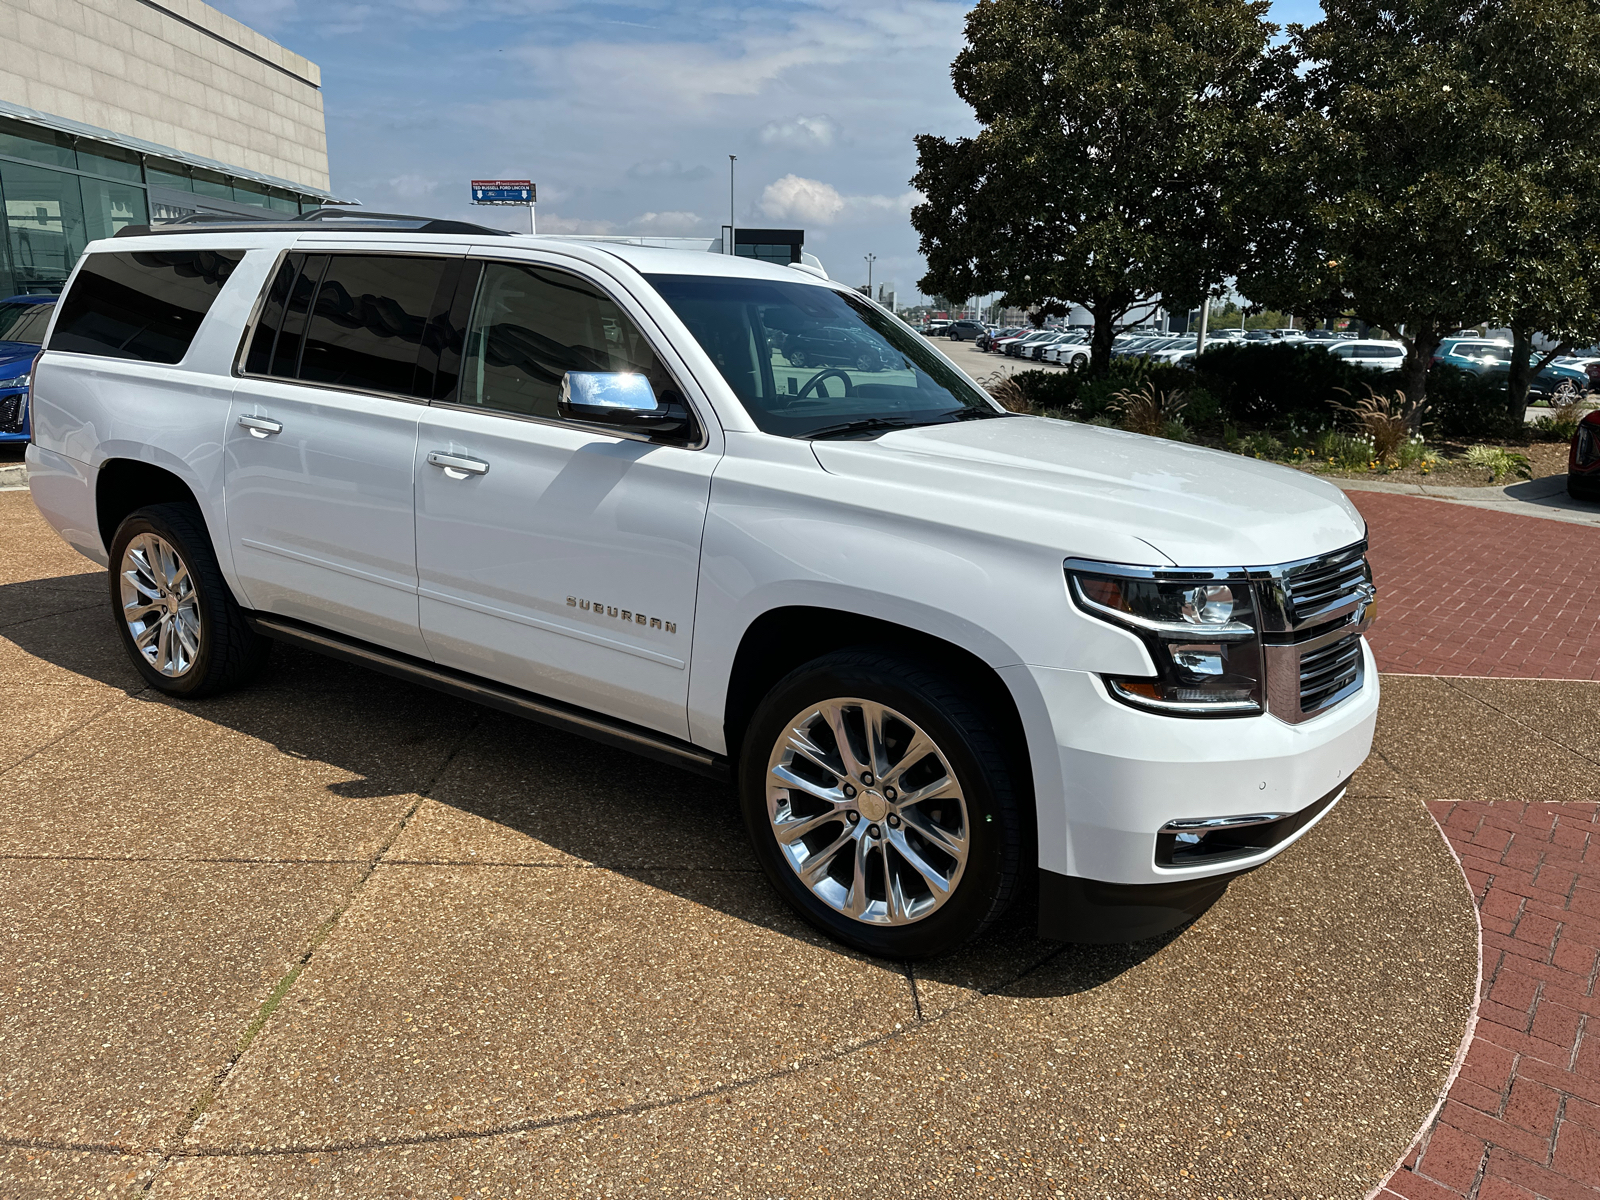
(870, 259)
(732, 239)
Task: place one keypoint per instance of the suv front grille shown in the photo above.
(1313, 615)
(1318, 587)
(1328, 675)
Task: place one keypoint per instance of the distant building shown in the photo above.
(120, 112)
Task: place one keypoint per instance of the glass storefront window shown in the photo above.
(281, 202)
(250, 193)
(44, 218)
(209, 183)
(168, 175)
(38, 145)
(107, 207)
(112, 161)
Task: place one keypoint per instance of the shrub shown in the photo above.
(1347, 452)
(1463, 404)
(1561, 424)
(1005, 389)
(1497, 462)
(1386, 421)
(1038, 389)
(1272, 384)
(1147, 411)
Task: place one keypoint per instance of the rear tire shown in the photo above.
(905, 850)
(179, 622)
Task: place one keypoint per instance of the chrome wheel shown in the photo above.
(867, 811)
(160, 605)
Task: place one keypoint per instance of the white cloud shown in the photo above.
(668, 171)
(666, 224)
(413, 187)
(554, 223)
(812, 202)
(809, 201)
(800, 133)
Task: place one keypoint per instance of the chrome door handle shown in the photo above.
(260, 426)
(456, 466)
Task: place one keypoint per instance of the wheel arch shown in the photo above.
(123, 485)
(781, 639)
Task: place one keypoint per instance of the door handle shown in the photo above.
(260, 426)
(456, 466)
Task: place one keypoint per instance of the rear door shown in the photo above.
(322, 437)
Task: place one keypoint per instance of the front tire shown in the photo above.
(881, 805)
(179, 622)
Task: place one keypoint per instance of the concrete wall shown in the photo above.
(177, 72)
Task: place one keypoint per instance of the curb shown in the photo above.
(13, 476)
(1543, 498)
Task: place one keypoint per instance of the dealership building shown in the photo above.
(123, 112)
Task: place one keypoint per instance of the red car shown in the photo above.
(1583, 460)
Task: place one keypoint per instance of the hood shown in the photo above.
(15, 357)
(1081, 489)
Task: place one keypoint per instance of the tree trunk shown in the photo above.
(1105, 332)
(1519, 376)
(1421, 344)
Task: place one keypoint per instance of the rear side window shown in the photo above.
(147, 305)
(347, 320)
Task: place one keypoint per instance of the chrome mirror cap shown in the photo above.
(620, 399)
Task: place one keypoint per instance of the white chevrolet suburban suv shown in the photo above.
(948, 655)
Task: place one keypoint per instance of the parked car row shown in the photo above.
(1557, 383)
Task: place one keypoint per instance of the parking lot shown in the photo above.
(336, 935)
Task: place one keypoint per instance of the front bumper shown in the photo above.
(1124, 774)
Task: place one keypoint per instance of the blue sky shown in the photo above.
(624, 113)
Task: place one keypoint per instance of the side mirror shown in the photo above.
(620, 400)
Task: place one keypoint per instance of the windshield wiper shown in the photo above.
(974, 414)
(861, 426)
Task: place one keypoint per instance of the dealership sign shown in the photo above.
(503, 191)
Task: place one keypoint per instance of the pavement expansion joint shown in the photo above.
(534, 1125)
(81, 725)
(1534, 729)
(193, 1119)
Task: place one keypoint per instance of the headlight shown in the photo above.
(1200, 628)
(20, 381)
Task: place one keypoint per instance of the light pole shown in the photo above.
(870, 259)
(732, 240)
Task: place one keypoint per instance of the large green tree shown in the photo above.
(1414, 180)
(1543, 59)
(1114, 136)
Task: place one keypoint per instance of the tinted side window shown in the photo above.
(367, 321)
(531, 325)
(259, 360)
(146, 305)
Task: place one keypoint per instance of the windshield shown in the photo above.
(805, 360)
(21, 321)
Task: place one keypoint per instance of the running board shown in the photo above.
(581, 721)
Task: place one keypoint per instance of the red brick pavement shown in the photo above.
(1467, 591)
(1521, 1121)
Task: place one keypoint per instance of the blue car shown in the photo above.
(23, 321)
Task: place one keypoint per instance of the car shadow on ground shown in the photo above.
(550, 798)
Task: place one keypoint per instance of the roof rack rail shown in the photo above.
(355, 219)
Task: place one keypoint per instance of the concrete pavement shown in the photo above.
(336, 935)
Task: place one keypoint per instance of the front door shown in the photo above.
(320, 445)
(550, 556)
